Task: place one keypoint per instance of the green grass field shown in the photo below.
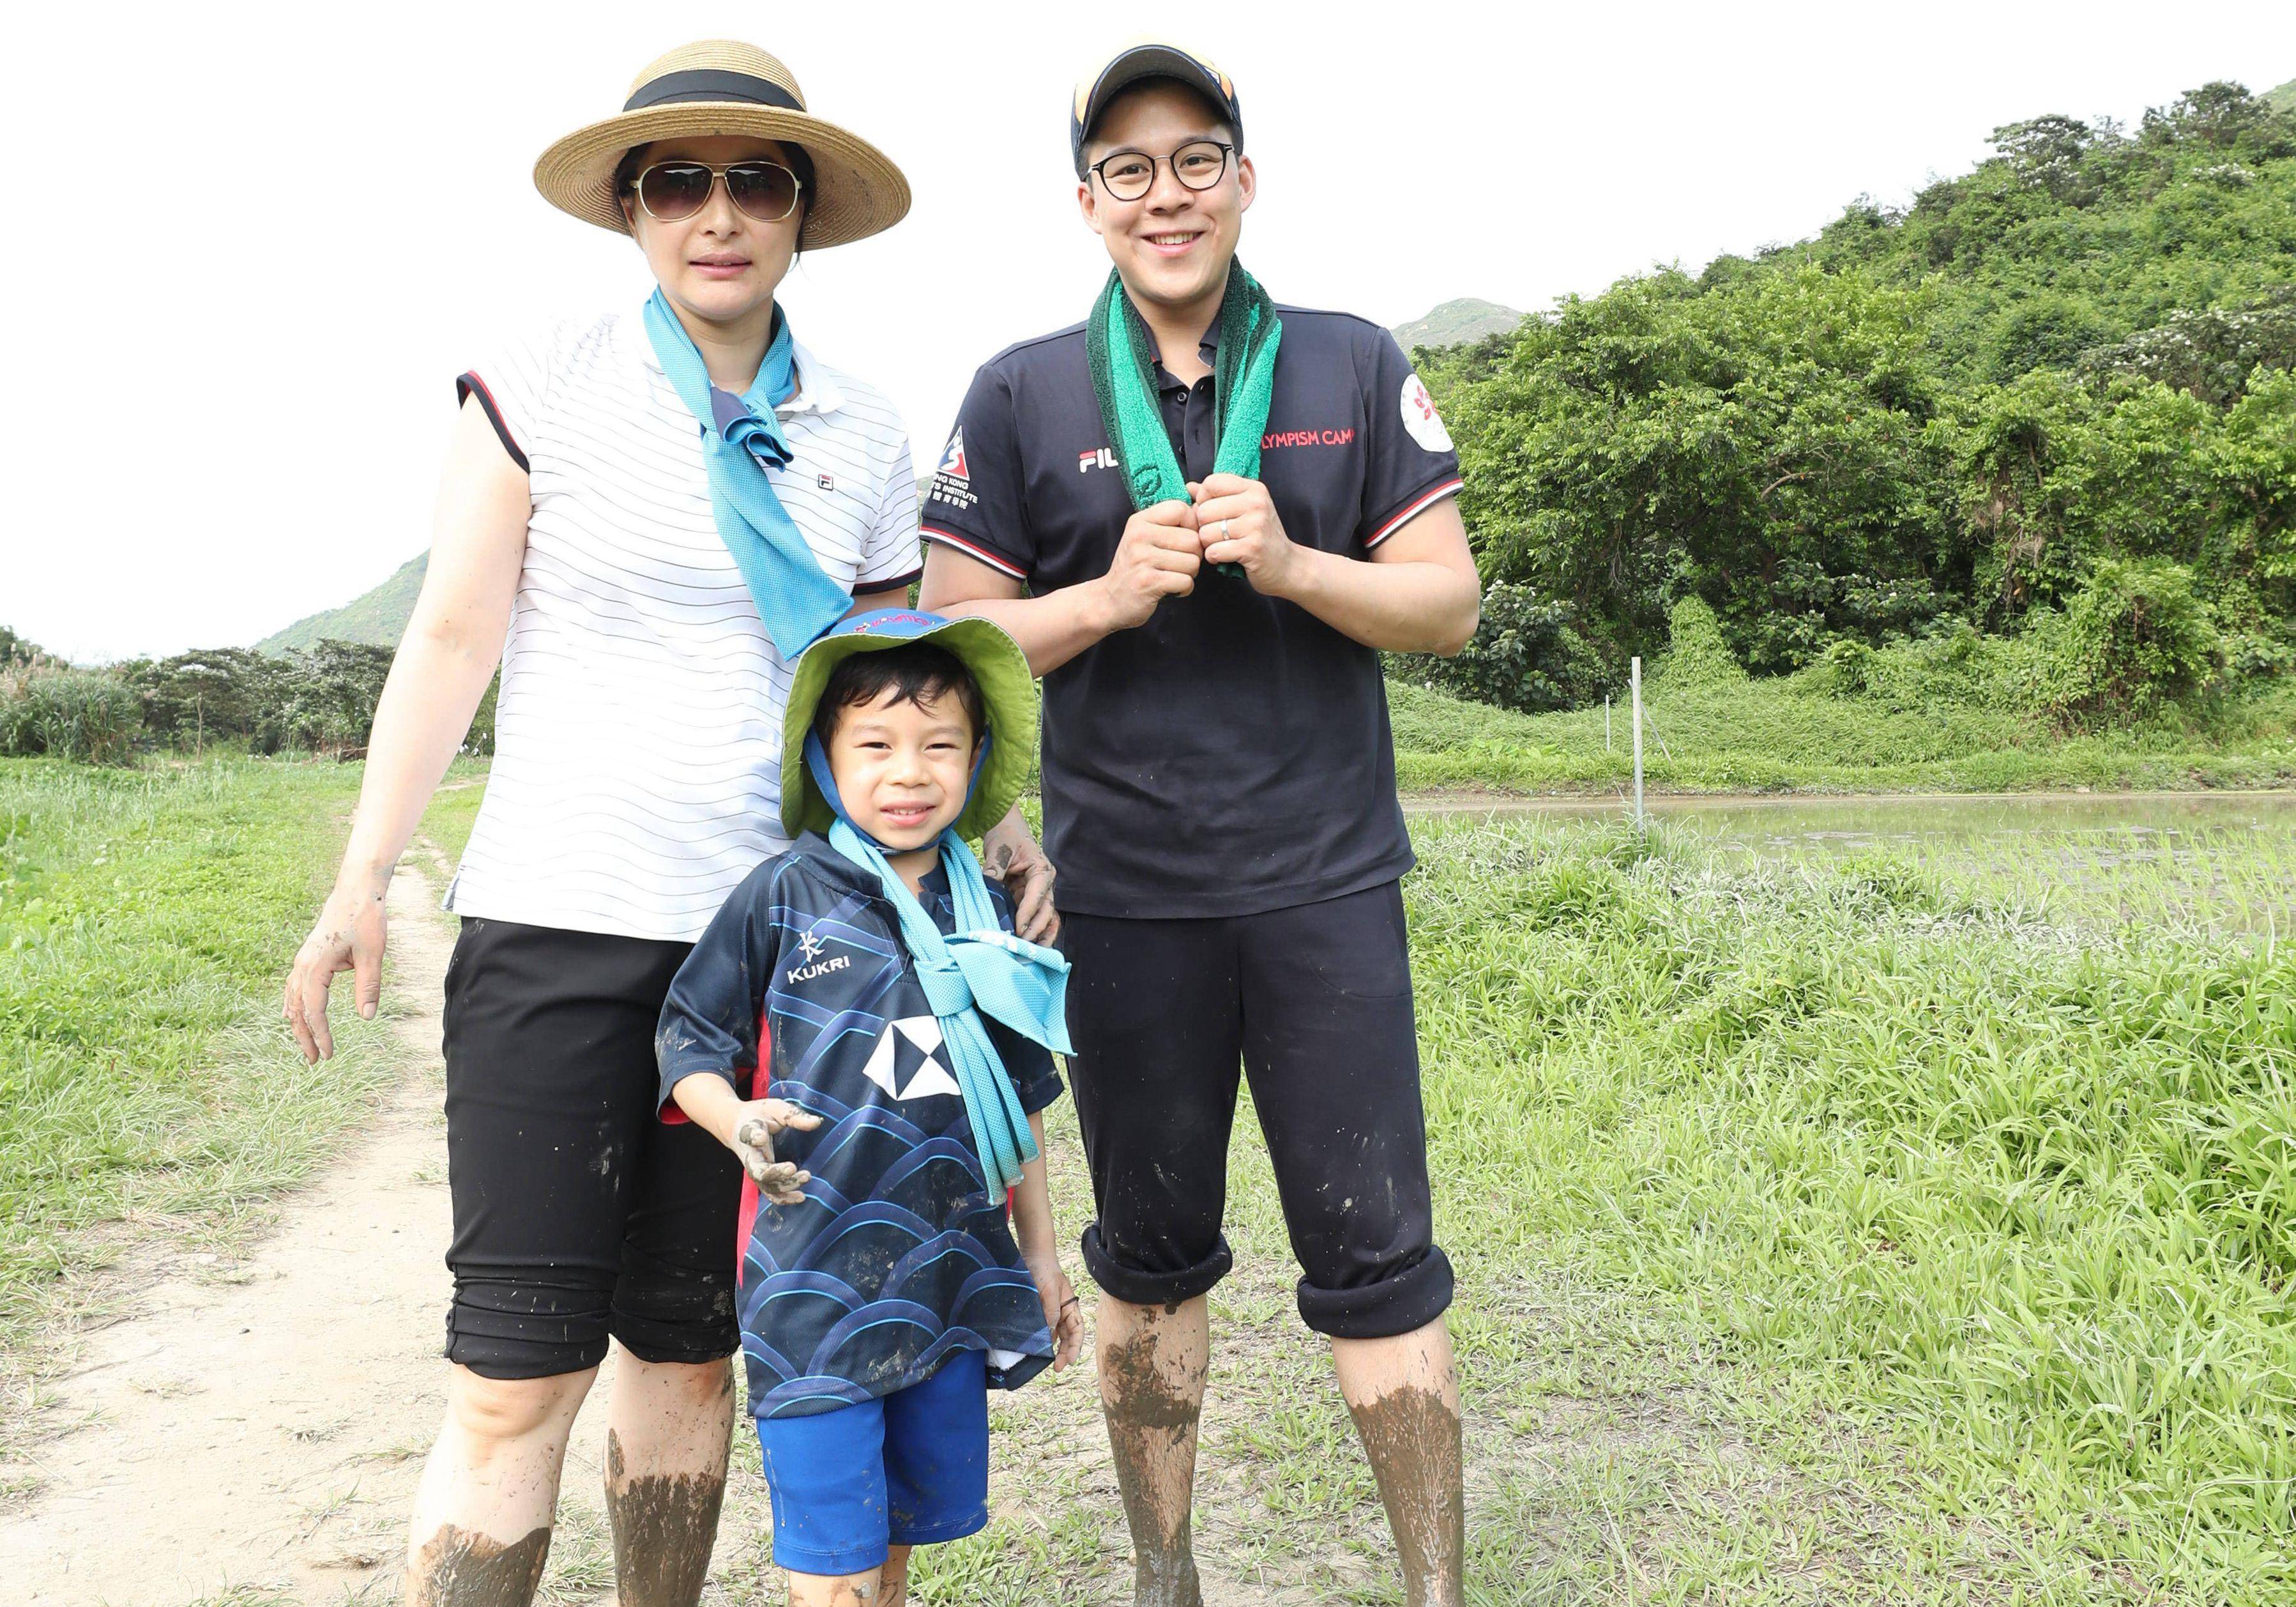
(1837, 1228)
(1828, 1232)
(1786, 733)
(147, 917)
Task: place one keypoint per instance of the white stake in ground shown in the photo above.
(1636, 677)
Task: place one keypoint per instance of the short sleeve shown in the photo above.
(511, 385)
(1028, 1063)
(891, 558)
(710, 1018)
(974, 504)
(1408, 461)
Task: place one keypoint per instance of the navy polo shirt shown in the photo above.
(1233, 755)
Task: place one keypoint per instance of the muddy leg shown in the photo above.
(1153, 1362)
(666, 1450)
(1405, 1398)
(893, 1578)
(483, 1511)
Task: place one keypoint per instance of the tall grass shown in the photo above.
(146, 919)
(79, 714)
(2012, 1191)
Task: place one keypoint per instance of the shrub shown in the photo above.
(78, 714)
(1526, 654)
(1696, 655)
(2136, 636)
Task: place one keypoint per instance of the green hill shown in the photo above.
(1456, 323)
(2043, 414)
(2284, 97)
(377, 619)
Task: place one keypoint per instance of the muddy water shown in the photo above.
(2224, 860)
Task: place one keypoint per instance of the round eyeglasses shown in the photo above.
(672, 191)
(1198, 165)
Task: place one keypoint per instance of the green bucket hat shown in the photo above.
(1007, 691)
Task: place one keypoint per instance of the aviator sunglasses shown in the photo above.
(672, 191)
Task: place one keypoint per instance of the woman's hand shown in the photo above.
(1009, 853)
(349, 936)
(1063, 1311)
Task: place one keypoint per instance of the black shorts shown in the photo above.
(1314, 1003)
(578, 1213)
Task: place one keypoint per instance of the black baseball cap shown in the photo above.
(1149, 58)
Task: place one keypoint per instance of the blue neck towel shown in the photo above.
(979, 967)
(741, 438)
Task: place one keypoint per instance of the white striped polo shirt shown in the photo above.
(636, 777)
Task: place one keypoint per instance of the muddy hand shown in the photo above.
(1009, 854)
(349, 936)
(783, 1182)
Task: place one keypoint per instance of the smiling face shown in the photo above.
(904, 765)
(721, 266)
(1174, 244)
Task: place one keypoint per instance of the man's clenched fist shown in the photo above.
(1157, 557)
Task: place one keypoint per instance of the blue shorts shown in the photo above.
(907, 1469)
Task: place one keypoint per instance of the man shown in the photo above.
(1202, 515)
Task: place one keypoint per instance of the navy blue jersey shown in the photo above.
(1233, 755)
(899, 1252)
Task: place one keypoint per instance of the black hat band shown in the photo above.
(711, 83)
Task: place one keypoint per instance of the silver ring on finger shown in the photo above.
(1223, 534)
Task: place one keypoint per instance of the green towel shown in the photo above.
(1121, 353)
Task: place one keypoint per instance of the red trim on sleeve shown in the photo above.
(1004, 565)
(745, 1220)
(470, 384)
(891, 583)
(1418, 505)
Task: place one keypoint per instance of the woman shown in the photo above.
(662, 508)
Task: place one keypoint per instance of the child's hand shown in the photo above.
(1063, 1312)
(755, 1123)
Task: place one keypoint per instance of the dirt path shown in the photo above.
(254, 1431)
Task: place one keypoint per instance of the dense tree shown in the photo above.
(2054, 389)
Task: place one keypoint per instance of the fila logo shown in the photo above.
(810, 964)
(1099, 457)
(827, 484)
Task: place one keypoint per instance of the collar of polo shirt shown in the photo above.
(817, 390)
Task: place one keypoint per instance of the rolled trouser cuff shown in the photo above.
(1410, 1296)
(1136, 1287)
(507, 1328)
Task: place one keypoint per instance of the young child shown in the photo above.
(861, 1027)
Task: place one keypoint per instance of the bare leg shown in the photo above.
(670, 1427)
(837, 1589)
(483, 1511)
(1153, 1362)
(895, 1578)
(1404, 1396)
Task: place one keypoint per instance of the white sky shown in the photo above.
(248, 247)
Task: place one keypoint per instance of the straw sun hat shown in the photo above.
(723, 87)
